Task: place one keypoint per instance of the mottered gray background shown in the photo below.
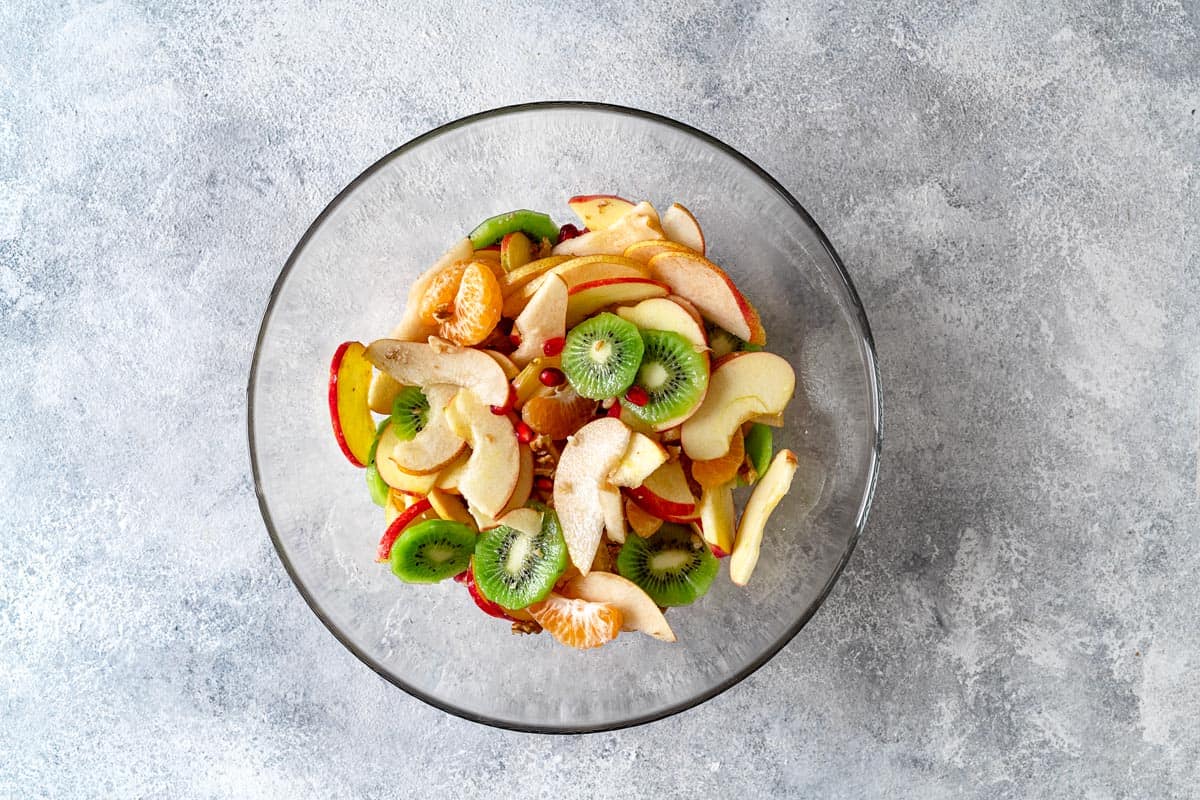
(1014, 189)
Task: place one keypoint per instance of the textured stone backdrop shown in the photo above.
(1013, 187)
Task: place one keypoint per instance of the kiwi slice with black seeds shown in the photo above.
(674, 566)
(673, 375)
(432, 551)
(410, 413)
(514, 569)
(601, 356)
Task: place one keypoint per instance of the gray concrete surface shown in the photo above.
(1014, 188)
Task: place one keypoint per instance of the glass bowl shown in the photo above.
(347, 279)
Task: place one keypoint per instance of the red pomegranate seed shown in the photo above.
(500, 411)
(637, 395)
(551, 377)
(515, 339)
(569, 231)
(614, 410)
(553, 347)
(543, 483)
(525, 433)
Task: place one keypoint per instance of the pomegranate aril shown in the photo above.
(551, 377)
(543, 483)
(637, 396)
(569, 231)
(614, 411)
(525, 434)
(553, 347)
(515, 339)
(500, 411)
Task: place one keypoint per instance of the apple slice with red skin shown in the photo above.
(584, 269)
(638, 611)
(588, 298)
(349, 385)
(512, 281)
(587, 460)
(666, 494)
(422, 364)
(664, 314)
(599, 211)
(486, 606)
(544, 318)
(717, 517)
(638, 224)
(746, 387)
(711, 291)
(680, 225)
(393, 532)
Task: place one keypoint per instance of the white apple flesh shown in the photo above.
(664, 314)
(711, 291)
(771, 488)
(544, 318)
(680, 225)
(494, 467)
(422, 364)
(583, 469)
(435, 446)
(638, 224)
(739, 389)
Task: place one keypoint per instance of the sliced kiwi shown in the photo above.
(759, 448)
(514, 569)
(601, 356)
(432, 551)
(674, 566)
(722, 341)
(375, 482)
(673, 374)
(410, 412)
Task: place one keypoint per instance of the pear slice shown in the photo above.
(771, 488)
(544, 318)
(582, 476)
(423, 364)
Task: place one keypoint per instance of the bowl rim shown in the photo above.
(869, 353)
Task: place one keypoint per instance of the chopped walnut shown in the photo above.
(522, 627)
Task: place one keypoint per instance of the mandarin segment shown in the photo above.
(559, 414)
(578, 623)
(718, 471)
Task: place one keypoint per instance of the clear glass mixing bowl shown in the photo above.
(347, 279)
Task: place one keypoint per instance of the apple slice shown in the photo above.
(636, 225)
(422, 364)
(716, 516)
(614, 517)
(740, 389)
(645, 250)
(641, 522)
(583, 468)
(411, 328)
(680, 225)
(515, 251)
(588, 298)
(664, 314)
(770, 490)
(400, 523)
(599, 211)
(435, 446)
(349, 387)
(404, 482)
(575, 271)
(638, 611)
(447, 480)
(449, 506)
(506, 364)
(665, 494)
(544, 318)
(494, 467)
(712, 292)
(642, 457)
(520, 495)
(383, 391)
(512, 281)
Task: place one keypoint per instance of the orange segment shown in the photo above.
(578, 623)
(558, 415)
(719, 471)
(464, 301)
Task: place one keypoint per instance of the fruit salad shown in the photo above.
(561, 417)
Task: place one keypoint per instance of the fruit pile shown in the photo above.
(567, 414)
